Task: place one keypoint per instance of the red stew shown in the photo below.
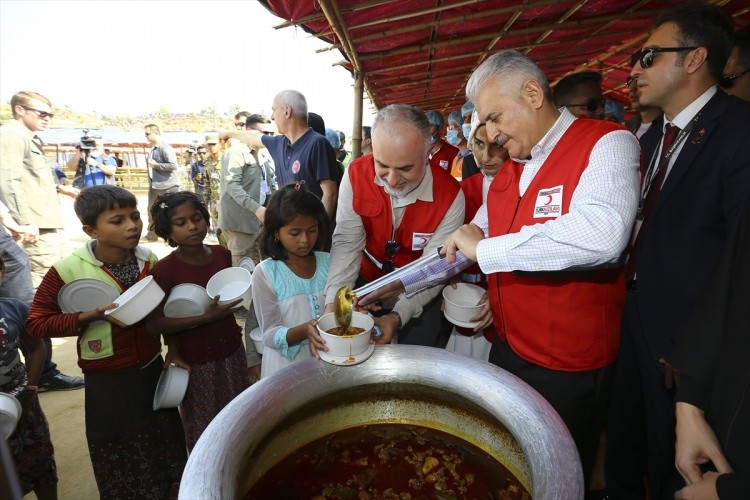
(388, 461)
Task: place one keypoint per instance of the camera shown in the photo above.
(88, 143)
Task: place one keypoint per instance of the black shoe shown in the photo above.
(60, 382)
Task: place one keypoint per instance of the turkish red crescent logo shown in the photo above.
(95, 345)
(295, 167)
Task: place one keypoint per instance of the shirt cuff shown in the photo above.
(279, 343)
(689, 390)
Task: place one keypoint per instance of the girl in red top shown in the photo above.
(209, 345)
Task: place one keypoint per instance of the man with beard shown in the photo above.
(393, 208)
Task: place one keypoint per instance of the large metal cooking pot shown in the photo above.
(473, 400)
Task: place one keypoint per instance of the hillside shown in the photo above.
(168, 122)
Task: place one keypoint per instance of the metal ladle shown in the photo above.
(342, 307)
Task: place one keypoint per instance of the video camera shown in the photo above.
(88, 143)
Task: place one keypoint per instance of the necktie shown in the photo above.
(670, 134)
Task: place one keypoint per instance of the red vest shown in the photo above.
(567, 321)
(373, 205)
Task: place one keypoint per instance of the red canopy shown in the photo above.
(422, 52)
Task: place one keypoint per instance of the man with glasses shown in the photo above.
(581, 93)
(28, 189)
(696, 178)
(736, 78)
(163, 170)
(394, 207)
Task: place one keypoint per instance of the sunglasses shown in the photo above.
(40, 114)
(646, 56)
(727, 81)
(391, 249)
(591, 105)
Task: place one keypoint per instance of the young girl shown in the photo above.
(30, 443)
(135, 452)
(289, 286)
(209, 345)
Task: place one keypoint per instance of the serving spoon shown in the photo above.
(342, 307)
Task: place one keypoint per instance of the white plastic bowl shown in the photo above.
(462, 302)
(257, 337)
(186, 300)
(137, 301)
(231, 284)
(10, 414)
(170, 390)
(351, 345)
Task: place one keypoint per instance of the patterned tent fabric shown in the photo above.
(422, 52)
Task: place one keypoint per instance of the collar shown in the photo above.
(548, 142)
(686, 115)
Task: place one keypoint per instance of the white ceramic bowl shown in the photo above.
(186, 300)
(257, 337)
(10, 414)
(462, 302)
(343, 346)
(231, 284)
(137, 301)
(171, 387)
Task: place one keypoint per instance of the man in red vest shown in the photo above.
(550, 237)
(394, 207)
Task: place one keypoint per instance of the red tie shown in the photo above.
(670, 134)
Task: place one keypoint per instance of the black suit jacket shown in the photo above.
(688, 226)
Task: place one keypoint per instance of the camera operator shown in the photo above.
(93, 166)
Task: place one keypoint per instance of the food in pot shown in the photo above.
(388, 461)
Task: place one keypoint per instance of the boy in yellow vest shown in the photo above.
(133, 449)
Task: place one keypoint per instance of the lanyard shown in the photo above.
(654, 167)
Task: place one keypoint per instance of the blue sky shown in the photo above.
(118, 57)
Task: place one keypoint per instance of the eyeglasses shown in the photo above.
(591, 105)
(40, 114)
(630, 80)
(727, 81)
(646, 56)
(240, 124)
(391, 249)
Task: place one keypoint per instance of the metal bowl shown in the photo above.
(473, 400)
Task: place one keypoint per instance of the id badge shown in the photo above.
(264, 187)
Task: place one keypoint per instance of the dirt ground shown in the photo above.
(64, 409)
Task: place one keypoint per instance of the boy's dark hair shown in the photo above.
(287, 203)
(163, 209)
(702, 25)
(94, 200)
(566, 86)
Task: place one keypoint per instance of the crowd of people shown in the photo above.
(614, 258)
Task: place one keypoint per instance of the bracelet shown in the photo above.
(32, 388)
